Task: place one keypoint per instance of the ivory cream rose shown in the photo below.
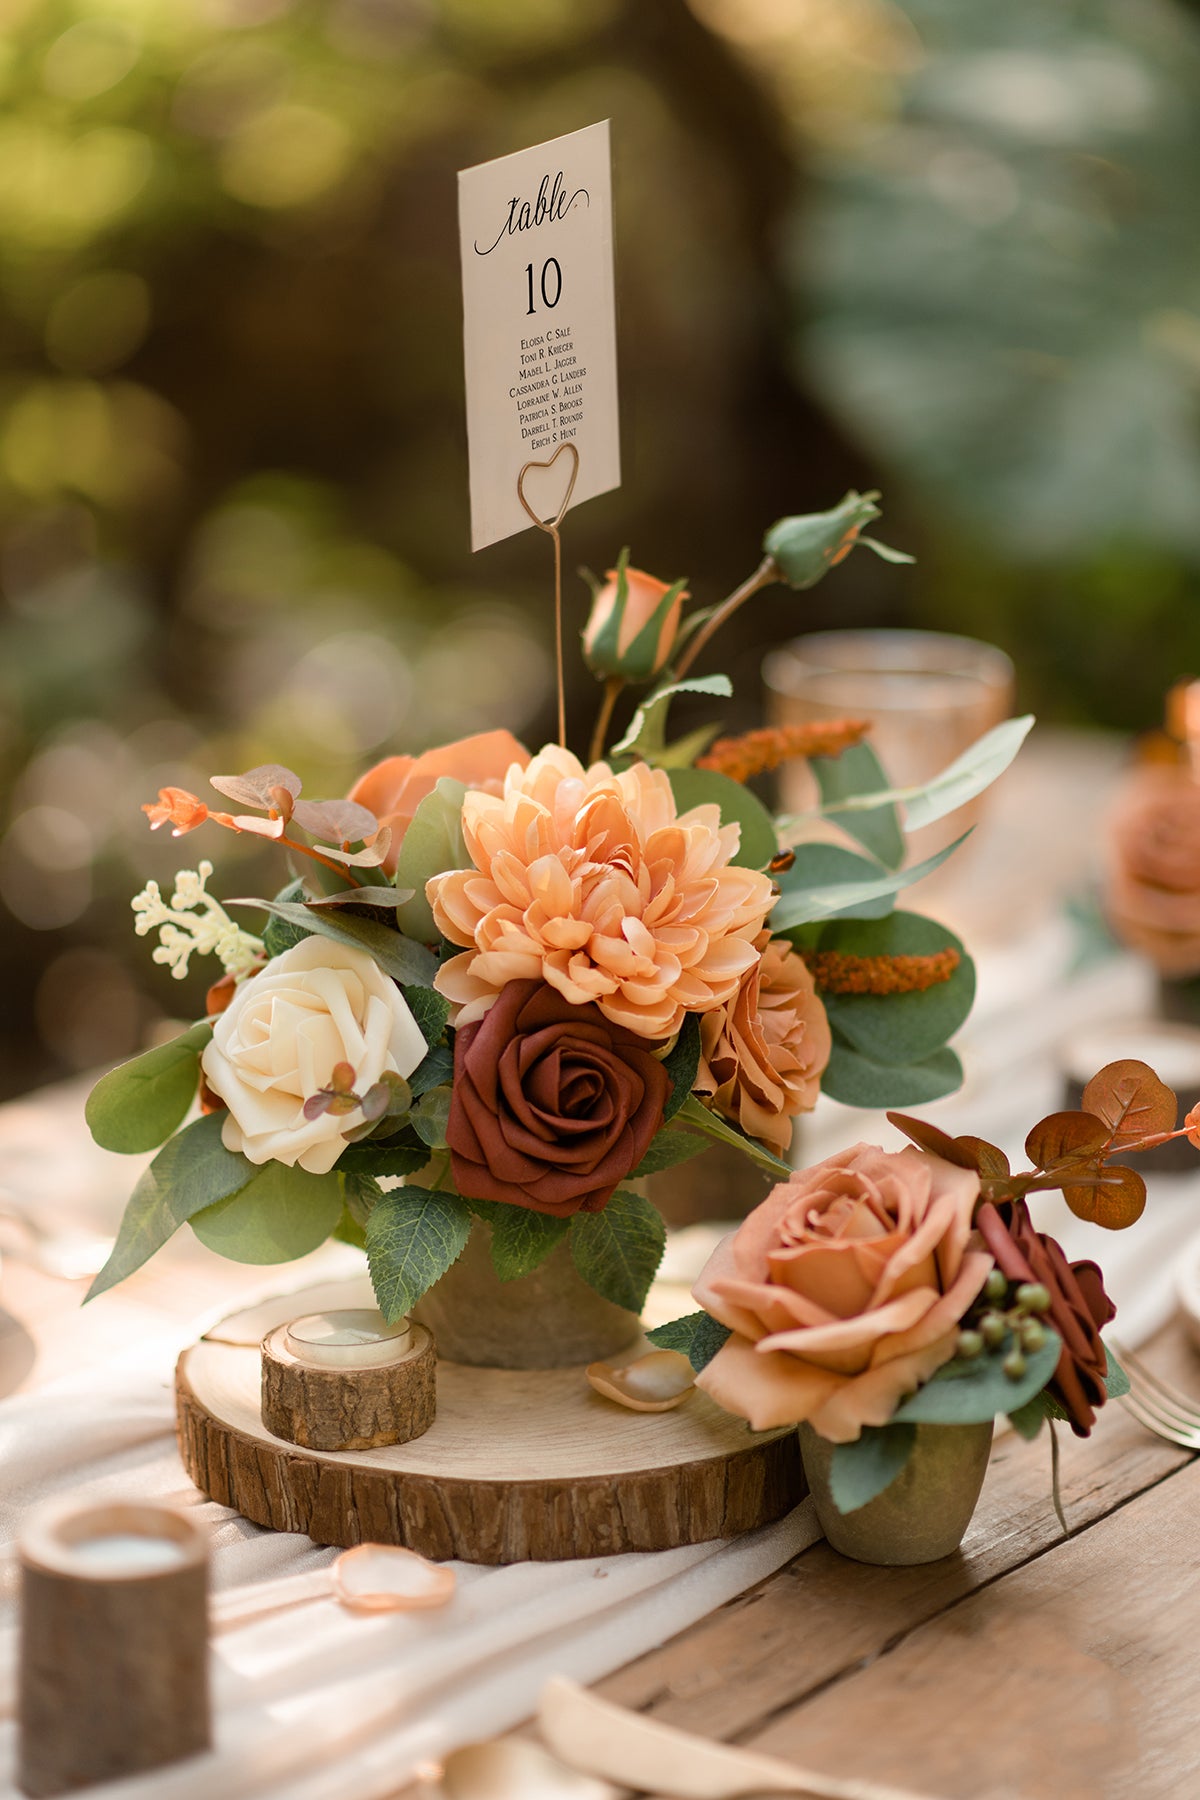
(843, 1290)
(281, 1036)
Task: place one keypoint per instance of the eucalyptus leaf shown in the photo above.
(618, 1249)
(647, 733)
(667, 1150)
(759, 841)
(697, 1335)
(433, 843)
(899, 1029)
(521, 1238)
(694, 1113)
(379, 1158)
(819, 866)
(843, 780)
(281, 1214)
(398, 956)
(1116, 1381)
(960, 781)
(802, 906)
(430, 1117)
(970, 1391)
(190, 1172)
(857, 1080)
(136, 1106)
(413, 1237)
(865, 1467)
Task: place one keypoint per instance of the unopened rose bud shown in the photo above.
(996, 1286)
(994, 1330)
(807, 545)
(1032, 1297)
(633, 624)
(970, 1344)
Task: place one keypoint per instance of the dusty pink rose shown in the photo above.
(764, 1053)
(1152, 884)
(843, 1290)
(395, 787)
(644, 594)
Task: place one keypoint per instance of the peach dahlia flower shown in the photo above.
(589, 881)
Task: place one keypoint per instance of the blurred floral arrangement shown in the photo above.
(1152, 863)
(881, 1290)
(518, 984)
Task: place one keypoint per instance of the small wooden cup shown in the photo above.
(327, 1395)
(113, 1675)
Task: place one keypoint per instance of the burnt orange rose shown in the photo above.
(763, 1055)
(843, 1290)
(1152, 885)
(395, 787)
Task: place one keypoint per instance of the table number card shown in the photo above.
(539, 325)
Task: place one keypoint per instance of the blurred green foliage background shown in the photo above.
(940, 246)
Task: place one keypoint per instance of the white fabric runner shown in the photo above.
(314, 1703)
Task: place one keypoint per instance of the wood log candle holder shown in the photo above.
(347, 1381)
(113, 1673)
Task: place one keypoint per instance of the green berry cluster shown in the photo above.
(1004, 1315)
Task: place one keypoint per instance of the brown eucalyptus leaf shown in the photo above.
(1131, 1100)
(1115, 1200)
(341, 821)
(929, 1137)
(987, 1158)
(1065, 1134)
(254, 787)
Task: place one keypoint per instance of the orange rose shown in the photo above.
(843, 1290)
(395, 787)
(639, 601)
(763, 1055)
(1152, 885)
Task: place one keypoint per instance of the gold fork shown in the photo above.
(1154, 1403)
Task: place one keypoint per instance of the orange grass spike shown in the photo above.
(755, 752)
(836, 973)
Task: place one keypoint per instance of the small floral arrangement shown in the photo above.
(1151, 877)
(884, 1289)
(515, 984)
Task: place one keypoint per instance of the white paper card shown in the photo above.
(539, 327)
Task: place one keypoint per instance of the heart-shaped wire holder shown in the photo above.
(550, 527)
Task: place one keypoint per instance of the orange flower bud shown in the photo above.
(633, 624)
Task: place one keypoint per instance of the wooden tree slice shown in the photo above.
(518, 1465)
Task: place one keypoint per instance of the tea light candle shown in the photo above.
(348, 1380)
(1171, 1050)
(113, 1675)
(358, 1338)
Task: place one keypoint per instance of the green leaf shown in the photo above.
(861, 899)
(413, 1236)
(807, 545)
(396, 955)
(430, 1010)
(862, 1469)
(380, 1158)
(682, 752)
(856, 1080)
(280, 1214)
(666, 1151)
(432, 844)
(899, 1029)
(138, 1105)
(697, 1335)
(970, 1391)
(968, 775)
(521, 1238)
(682, 1065)
(1116, 1381)
(819, 866)
(704, 787)
(647, 734)
(693, 1112)
(361, 1194)
(843, 778)
(1028, 1420)
(430, 1117)
(617, 1250)
(278, 935)
(437, 1067)
(189, 1173)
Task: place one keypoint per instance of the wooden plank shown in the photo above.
(1072, 1678)
(821, 1616)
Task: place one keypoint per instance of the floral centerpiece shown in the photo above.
(500, 988)
(882, 1297)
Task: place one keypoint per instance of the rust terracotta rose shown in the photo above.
(395, 787)
(1152, 882)
(1079, 1306)
(763, 1055)
(843, 1290)
(553, 1106)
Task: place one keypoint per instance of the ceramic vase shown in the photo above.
(925, 1512)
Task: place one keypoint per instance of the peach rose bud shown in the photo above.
(633, 624)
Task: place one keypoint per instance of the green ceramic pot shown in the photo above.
(925, 1512)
